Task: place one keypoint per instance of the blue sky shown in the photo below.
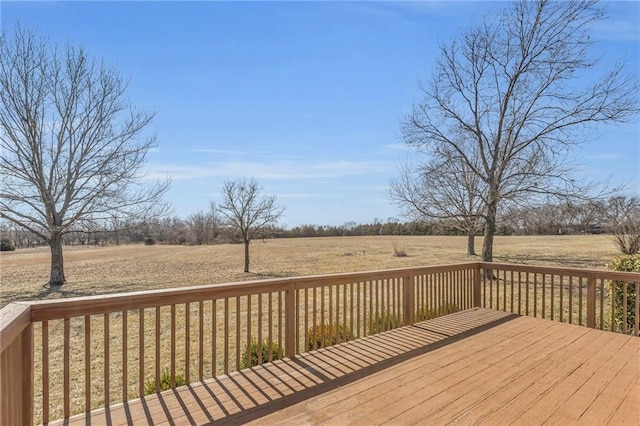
(305, 97)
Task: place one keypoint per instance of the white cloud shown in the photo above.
(398, 147)
(301, 195)
(272, 170)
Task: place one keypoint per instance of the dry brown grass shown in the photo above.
(99, 270)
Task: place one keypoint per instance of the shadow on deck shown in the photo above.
(474, 366)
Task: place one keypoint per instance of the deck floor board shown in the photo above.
(479, 366)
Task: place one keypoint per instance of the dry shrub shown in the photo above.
(321, 336)
(398, 251)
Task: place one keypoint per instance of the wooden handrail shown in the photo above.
(576, 272)
(90, 305)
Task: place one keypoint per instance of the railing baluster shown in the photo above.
(504, 289)
(270, 321)
(214, 338)
(561, 289)
(624, 306)
(602, 304)
(106, 361)
(157, 357)
(358, 318)
(306, 317)
(553, 299)
(173, 346)
(315, 330)
(141, 353)
(280, 313)
(490, 280)
(226, 335)
(125, 367)
(249, 361)
(351, 309)
(519, 293)
(322, 327)
(535, 294)
(65, 369)
(187, 343)
(526, 310)
(512, 292)
(613, 304)
(45, 371)
(544, 295)
(259, 328)
(330, 337)
(297, 295)
(570, 299)
(237, 333)
(87, 365)
(580, 286)
(636, 327)
(200, 340)
(344, 312)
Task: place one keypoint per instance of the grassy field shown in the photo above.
(99, 270)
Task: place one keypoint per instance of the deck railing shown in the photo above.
(575, 296)
(67, 356)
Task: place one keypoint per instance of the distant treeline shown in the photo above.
(206, 227)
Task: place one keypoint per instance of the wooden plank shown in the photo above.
(448, 388)
(625, 383)
(618, 354)
(515, 395)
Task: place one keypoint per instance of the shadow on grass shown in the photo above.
(587, 262)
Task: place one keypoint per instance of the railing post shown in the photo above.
(290, 320)
(477, 300)
(409, 300)
(591, 300)
(16, 365)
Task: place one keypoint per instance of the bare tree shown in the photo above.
(512, 96)
(71, 149)
(203, 226)
(623, 223)
(247, 211)
(445, 190)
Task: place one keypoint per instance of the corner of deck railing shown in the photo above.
(16, 364)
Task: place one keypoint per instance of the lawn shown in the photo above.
(99, 270)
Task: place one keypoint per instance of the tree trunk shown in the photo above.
(56, 277)
(489, 232)
(246, 255)
(471, 244)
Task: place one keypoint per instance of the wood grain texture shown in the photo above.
(477, 366)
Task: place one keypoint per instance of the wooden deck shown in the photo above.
(477, 366)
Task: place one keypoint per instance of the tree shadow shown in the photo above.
(587, 262)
